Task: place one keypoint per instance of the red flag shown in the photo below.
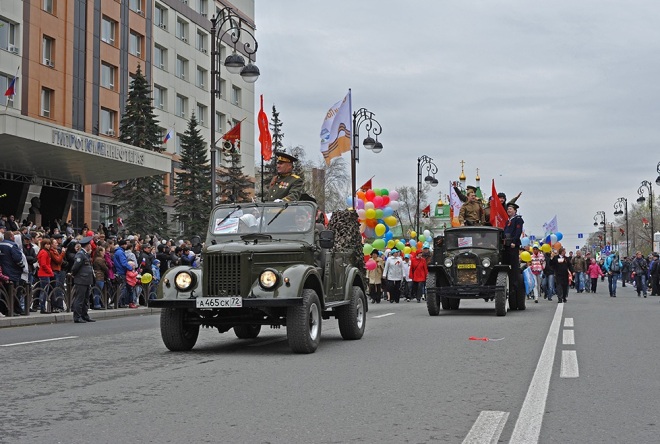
(264, 133)
(645, 222)
(498, 216)
(426, 212)
(233, 134)
(367, 185)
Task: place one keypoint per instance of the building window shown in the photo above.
(136, 5)
(181, 67)
(48, 51)
(5, 80)
(201, 42)
(8, 33)
(108, 76)
(160, 16)
(203, 7)
(201, 77)
(108, 122)
(108, 28)
(236, 95)
(201, 114)
(160, 94)
(160, 57)
(107, 214)
(46, 102)
(219, 122)
(135, 44)
(181, 106)
(48, 6)
(182, 30)
(222, 87)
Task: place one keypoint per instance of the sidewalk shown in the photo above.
(52, 318)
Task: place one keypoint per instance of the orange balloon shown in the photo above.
(557, 246)
(455, 222)
(371, 223)
(361, 195)
(419, 245)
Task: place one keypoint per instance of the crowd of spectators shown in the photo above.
(41, 258)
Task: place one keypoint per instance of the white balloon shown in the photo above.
(427, 233)
(369, 206)
(394, 205)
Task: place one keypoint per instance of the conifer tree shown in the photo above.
(141, 200)
(234, 185)
(277, 136)
(192, 186)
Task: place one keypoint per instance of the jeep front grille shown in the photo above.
(222, 273)
(466, 270)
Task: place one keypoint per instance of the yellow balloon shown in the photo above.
(546, 248)
(390, 243)
(380, 230)
(525, 256)
(370, 213)
(390, 221)
(406, 250)
(413, 234)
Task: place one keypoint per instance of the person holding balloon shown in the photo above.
(537, 264)
(375, 267)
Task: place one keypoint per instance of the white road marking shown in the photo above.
(382, 316)
(270, 341)
(568, 337)
(569, 364)
(487, 428)
(530, 419)
(39, 341)
(568, 322)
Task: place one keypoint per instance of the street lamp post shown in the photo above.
(599, 218)
(226, 24)
(361, 116)
(431, 168)
(619, 206)
(649, 187)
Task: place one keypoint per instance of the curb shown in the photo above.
(55, 318)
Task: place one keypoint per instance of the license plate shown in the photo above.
(460, 266)
(220, 302)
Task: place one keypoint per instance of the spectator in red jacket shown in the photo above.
(44, 273)
(418, 272)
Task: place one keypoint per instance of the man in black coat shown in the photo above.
(512, 234)
(562, 266)
(83, 279)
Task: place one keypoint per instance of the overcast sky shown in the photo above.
(559, 100)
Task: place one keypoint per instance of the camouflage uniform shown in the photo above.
(472, 213)
(285, 187)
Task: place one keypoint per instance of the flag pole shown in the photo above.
(263, 192)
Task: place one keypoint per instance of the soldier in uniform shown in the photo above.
(83, 279)
(512, 234)
(472, 213)
(285, 185)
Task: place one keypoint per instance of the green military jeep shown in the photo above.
(468, 264)
(268, 264)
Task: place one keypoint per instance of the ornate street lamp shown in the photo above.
(226, 25)
(619, 206)
(361, 116)
(657, 181)
(431, 168)
(648, 186)
(599, 219)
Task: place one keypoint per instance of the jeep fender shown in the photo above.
(167, 289)
(354, 279)
(299, 276)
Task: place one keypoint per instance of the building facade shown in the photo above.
(72, 60)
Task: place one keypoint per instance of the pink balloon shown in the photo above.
(378, 201)
(394, 195)
(370, 265)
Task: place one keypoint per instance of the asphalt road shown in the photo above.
(581, 372)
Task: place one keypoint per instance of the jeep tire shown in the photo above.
(353, 317)
(501, 293)
(247, 331)
(432, 298)
(176, 333)
(303, 324)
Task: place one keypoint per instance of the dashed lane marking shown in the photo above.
(382, 316)
(487, 428)
(39, 341)
(530, 419)
(568, 322)
(569, 364)
(568, 337)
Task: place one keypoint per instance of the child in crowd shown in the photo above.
(155, 272)
(131, 282)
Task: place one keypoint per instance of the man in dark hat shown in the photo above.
(285, 185)
(512, 234)
(83, 279)
(472, 213)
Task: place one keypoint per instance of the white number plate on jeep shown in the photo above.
(218, 302)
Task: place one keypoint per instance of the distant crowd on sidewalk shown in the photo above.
(31, 256)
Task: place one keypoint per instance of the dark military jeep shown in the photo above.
(268, 264)
(468, 264)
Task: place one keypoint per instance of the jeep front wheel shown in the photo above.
(353, 317)
(303, 324)
(500, 294)
(177, 333)
(247, 331)
(432, 297)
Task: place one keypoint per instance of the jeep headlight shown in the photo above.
(184, 281)
(448, 262)
(268, 279)
(485, 262)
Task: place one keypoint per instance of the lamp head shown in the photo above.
(378, 147)
(234, 63)
(250, 73)
(369, 143)
(641, 199)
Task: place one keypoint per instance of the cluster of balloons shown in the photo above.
(551, 242)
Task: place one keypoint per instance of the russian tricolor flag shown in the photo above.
(168, 136)
(11, 90)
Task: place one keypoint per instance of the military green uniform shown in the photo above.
(472, 213)
(285, 187)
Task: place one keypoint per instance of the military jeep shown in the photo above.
(268, 264)
(468, 264)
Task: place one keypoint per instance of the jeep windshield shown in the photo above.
(263, 218)
(470, 239)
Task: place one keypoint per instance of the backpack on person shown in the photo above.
(614, 266)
